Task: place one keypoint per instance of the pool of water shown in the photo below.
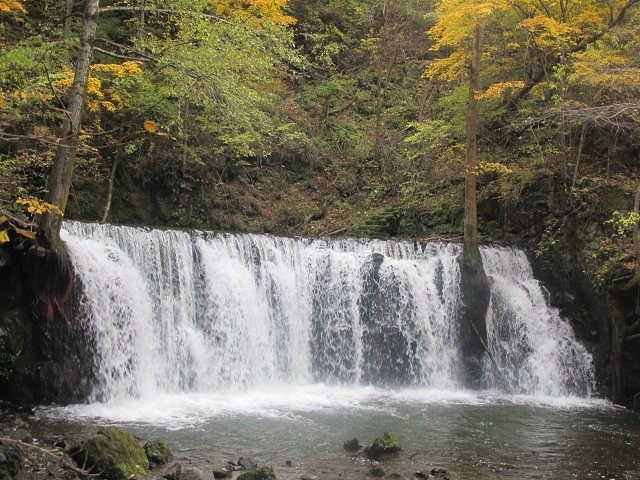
(473, 435)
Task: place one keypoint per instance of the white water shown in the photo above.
(172, 313)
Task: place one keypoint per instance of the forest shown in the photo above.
(337, 117)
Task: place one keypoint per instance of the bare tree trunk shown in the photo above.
(143, 11)
(112, 176)
(377, 147)
(470, 195)
(62, 172)
(583, 133)
(636, 233)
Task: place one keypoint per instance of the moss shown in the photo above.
(385, 445)
(157, 452)
(115, 453)
(262, 473)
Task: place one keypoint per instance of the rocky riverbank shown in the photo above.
(111, 453)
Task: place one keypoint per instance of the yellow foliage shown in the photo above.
(499, 89)
(4, 236)
(256, 11)
(38, 207)
(151, 127)
(12, 7)
(491, 167)
(99, 96)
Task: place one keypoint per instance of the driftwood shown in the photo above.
(54, 454)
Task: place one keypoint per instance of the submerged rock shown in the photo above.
(246, 462)
(377, 471)
(222, 471)
(262, 473)
(113, 452)
(158, 453)
(387, 444)
(352, 445)
(174, 472)
(435, 473)
(10, 461)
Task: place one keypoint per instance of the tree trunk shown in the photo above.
(474, 285)
(583, 133)
(377, 147)
(112, 176)
(636, 233)
(470, 196)
(62, 172)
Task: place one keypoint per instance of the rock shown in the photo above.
(247, 462)
(395, 476)
(10, 460)
(387, 444)
(262, 473)
(21, 435)
(113, 452)
(173, 472)
(158, 453)
(308, 477)
(222, 472)
(289, 463)
(377, 471)
(352, 445)
(440, 473)
(194, 474)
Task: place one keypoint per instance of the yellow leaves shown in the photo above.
(13, 8)
(255, 11)
(448, 68)
(548, 31)
(26, 233)
(151, 127)
(491, 167)
(499, 89)
(4, 236)
(98, 95)
(38, 207)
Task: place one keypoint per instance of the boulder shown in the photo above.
(10, 461)
(246, 462)
(387, 444)
(173, 472)
(194, 474)
(113, 452)
(158, 453)
(262, 473)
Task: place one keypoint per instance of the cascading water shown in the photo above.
(535, 349)
(170, 312)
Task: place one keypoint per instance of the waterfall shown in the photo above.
(535, 348)
(173, 311)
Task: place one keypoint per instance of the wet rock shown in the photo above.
(440, 473)
(113, 452)
(247, 462)
(11, 460)
(308, 477)
(263, 473)
(194, 474)
(173, 472)
(377, 471)
(289, 463)
(21, 435)
(352, 445)
(382, 446)
(222, 471)
(158, 453)
(395, 476)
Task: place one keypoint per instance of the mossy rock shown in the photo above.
(157, 452)
(10, 461)
(262, 473)
(114, 453)
(385, 445)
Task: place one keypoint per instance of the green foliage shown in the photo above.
(624, 224)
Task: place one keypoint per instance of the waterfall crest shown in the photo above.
(171, 311)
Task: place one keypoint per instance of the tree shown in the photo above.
(61, 175)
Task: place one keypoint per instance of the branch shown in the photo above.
(52, 454)
(164, 10)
